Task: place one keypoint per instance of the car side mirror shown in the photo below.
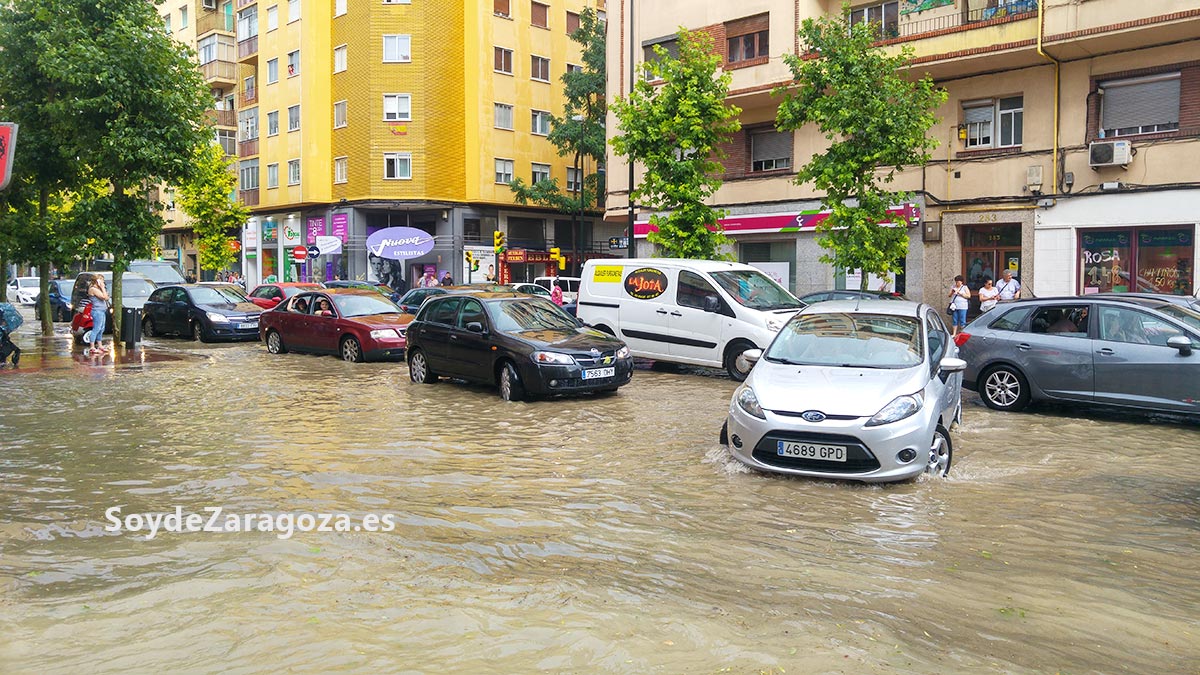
(711, 303)
(475, 327)
(952, 365)
(752, 355)
(1181, 342)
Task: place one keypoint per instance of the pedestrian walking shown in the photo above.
(1010, 288)
(556, 293)
(960, 297)
(988, 295)
(98, 297)
(7, 346)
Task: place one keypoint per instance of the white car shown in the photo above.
(570, 286)
(25, 290)
(853, 390)
(531, 289)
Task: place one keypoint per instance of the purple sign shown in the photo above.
(341, 225)
(400, 243)
(316, 228)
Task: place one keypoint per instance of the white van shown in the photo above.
(700, 312)
(570, 286)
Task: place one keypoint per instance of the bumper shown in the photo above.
(229, 331)
(546, 380)
(871, 454)
(385, 350)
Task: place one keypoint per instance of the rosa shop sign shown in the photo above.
(400, 243)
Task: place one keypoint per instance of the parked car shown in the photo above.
(161, 272)
(1094, 350)
(268, 296)
(366, 285)
(60, 299)
(202, 312)
(24, 290)
(1190, 301)
(699, 312)
(855, 390)
(357, 324)
(531, 289)
(846, 294)
(135, 291)
(570, 286)
(525, 345)
(412, 300)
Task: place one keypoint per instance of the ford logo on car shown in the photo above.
(812, 416)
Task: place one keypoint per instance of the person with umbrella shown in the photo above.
(10, 320)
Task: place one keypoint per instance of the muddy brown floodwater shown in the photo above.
(590, 535)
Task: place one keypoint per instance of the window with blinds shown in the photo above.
(500, 7)
(539, 15)
(1143, 105)
(770, 150)
(978, 117)
(670, 45)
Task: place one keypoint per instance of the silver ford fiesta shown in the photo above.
(855, 390)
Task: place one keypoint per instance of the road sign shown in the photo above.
(313, 251)
(300, 254)
(8, 147)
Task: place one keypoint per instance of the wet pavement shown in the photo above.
(589, 535)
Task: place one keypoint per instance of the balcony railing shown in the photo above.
(247, 48)
(248, 197)
(245, 3)
(247, 98)
(977, 18)
(223, 118)
(209, 22)
(219, 71)
(248, 148)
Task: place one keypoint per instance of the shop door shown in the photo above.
(988, 250)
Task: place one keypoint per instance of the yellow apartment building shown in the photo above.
(1068, 141)
(353, 117)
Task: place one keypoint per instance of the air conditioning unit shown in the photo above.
(1110, 153)
(210, 4)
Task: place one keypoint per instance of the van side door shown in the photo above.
(644, 318)
(696, 319)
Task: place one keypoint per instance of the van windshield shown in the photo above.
(756, 290)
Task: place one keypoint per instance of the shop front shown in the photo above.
(1137, 259)
(987, 251)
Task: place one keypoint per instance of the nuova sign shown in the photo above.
(400, 243)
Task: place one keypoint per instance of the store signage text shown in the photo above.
(400, 243)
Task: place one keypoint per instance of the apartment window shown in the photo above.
(293, 172)
(747, 47)
(982, 118)
(1143, 105)
(183, 17)
(341, 169)
(504, 171)
(885, 16)
(339, 59)
(397, 107)
(539, 68)
(670, 45)
(572, 22)
(573, 68)
(397, 165)
(272, 71)
(503, 58)
(770, 150)
(503, 116)
(167, 22)
(397, 48)
(273, 123)
(500, 8)
(540, 124)
(247, 25)
(574, 179)
(248, 174)
(294, 63)
(228, 141)
(293, 10)
(206, 49)
(294, 118)
(272, 176)
(340, 118)
(541, 172)
(339, 7)
(272, 18)
(539, 15)
(248, 124)
(249, 87)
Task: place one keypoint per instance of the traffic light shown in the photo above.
(498, 241)
(472, 263)
(562, 263)
(556, 256)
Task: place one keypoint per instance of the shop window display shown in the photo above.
(1140, 260)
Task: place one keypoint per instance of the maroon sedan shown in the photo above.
(359, 325)
(269, 295)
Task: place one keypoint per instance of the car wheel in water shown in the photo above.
(418, 368)
(510, 384)
(941, 452)
(1004, 388)
(275, 343)
(724, 437)
(737, 368)
(198, 332)
(148, 329)
(351, 350)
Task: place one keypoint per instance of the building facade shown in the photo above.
(1064, 143)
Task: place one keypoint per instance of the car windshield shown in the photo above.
(364, 305)
(756, 290)
(159, 274)
(29, 282)
(289, 291)
(1182, 314)
(849, 341)
(521, 314)
(216, 295)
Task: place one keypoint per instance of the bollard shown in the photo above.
(131, 327)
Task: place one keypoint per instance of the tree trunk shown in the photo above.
(3, 278)
(114, 293)
(865, 281)
(43, 303)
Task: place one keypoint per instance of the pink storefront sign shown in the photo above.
(340, 226)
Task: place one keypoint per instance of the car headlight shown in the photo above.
(900, 408)
(623, 353)
(748, 402)
(553, 358)
(216, 318)
(774, 325)
(383, 333)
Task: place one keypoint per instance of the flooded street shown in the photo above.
(587, 535)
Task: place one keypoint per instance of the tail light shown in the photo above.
(961, 339)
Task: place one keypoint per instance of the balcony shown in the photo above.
(248, 197)
(248, 48)
(213, 22)
(222, 118)
(248, 148)
(965, 19)
(247, 98)
(217, 72)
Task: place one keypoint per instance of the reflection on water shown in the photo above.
(582, 535)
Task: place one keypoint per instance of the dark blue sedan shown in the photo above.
(203, 312)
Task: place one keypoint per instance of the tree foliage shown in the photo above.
(674, 123)
(876, 118)
(207, 198)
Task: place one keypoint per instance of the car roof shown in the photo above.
(492, 295)
(343, 290)
(865, 306)
(702, 265)
(107, 274)
(289, 284)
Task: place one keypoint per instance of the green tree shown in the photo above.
(876, 117)
(207, 198)
(673, 123)
(579, 132)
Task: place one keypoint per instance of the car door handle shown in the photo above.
(1105, 352)
(676, 314)
(661, 311)
(1023, 347)
(453, 336)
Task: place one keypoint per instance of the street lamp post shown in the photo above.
(629, 192)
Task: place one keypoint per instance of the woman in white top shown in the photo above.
(960, 297)
(989, 295)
